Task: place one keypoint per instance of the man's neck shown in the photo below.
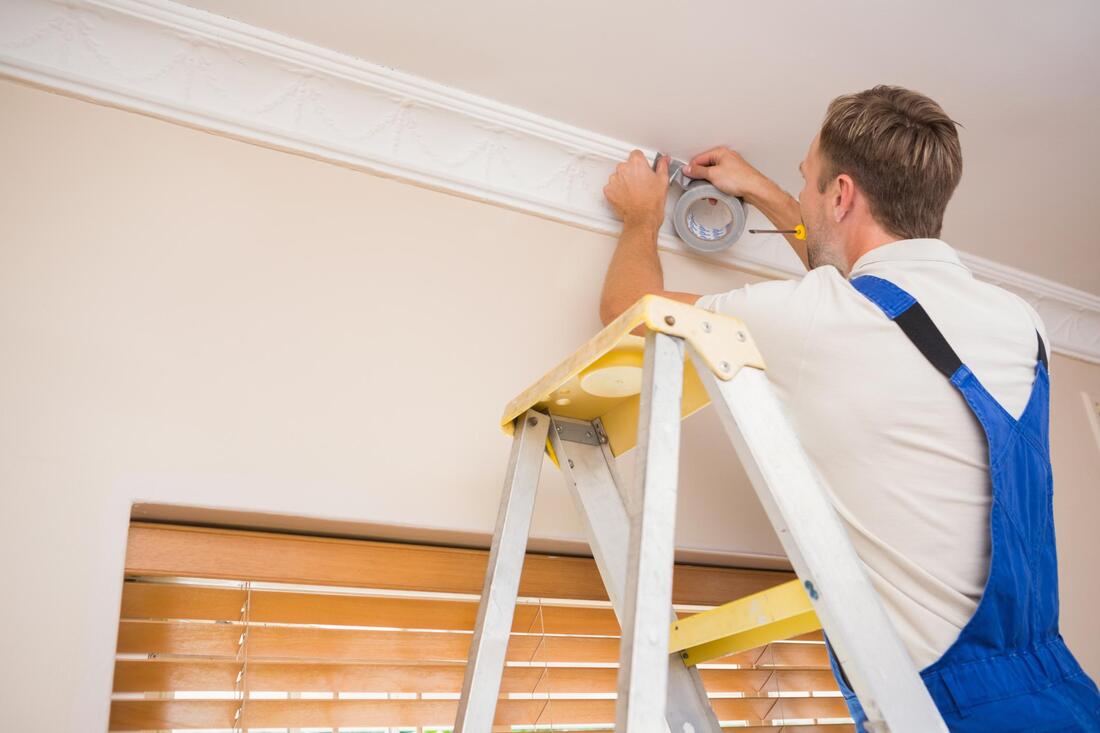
(866, 240)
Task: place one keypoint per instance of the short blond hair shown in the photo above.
(903, 152)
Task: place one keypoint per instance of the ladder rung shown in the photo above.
(761, 618)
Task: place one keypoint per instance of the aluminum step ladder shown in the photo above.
(620, 391)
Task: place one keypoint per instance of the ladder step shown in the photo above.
(771, 615)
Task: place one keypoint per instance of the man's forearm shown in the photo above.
(635, 269)
(783, 212)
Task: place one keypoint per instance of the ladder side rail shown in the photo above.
(818, 546)
(493, 628)
(596, 487)
(642, 688)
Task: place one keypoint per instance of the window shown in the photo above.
(231, 630)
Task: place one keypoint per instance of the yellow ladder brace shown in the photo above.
(770, 615)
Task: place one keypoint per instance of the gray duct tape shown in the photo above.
(707, 219)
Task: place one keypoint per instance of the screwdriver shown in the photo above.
(799, 231)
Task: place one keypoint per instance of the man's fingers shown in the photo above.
(662, 166)
(710, 157)
(696, 171)
(698, 166)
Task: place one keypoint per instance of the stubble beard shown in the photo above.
(820, 252)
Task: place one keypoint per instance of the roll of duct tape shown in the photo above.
(707, 219)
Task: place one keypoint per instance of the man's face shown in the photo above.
(822, 247)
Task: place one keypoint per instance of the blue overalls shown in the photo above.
(1009, 670)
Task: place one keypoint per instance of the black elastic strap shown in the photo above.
(916, 324)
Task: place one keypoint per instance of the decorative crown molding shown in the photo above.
(185, 65)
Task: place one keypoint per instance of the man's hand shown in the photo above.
(732, 174)
(637, 192)
(729, 172)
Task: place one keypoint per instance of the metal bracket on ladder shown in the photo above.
(631, 534)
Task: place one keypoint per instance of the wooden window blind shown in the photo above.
(231, 630)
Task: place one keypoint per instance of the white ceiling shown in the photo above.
(1023, 78)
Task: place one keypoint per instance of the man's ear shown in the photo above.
(844, 198)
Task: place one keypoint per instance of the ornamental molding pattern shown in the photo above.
(185, 65)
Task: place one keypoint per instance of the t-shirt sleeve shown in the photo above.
(778, 315)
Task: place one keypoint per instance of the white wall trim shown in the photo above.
(185, 65)
(1092, 412)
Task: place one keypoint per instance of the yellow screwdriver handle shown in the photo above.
(799, 231)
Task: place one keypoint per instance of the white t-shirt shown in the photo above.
(903, 456)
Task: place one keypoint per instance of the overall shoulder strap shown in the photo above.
(904, 310)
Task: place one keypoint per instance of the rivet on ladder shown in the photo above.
(570, 462)
(724, 366)
(670, 320)
(532, 421)
(706, 326)
(740, 335)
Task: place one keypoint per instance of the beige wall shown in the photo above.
(186, 319)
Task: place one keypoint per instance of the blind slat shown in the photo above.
(160, 675)
(162, 601)
(142, 601)
(184, 714)
(278, 642)
(169, 550)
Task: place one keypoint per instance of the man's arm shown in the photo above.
(635, 270)
(637, 193)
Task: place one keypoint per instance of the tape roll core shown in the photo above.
(706, 219)
(709, 219)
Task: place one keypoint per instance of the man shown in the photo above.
(919, 392)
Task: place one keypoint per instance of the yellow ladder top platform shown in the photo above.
(602, 379)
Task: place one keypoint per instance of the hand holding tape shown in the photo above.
(706, 219)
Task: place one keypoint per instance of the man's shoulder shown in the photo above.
(1013, 307)
(780, 314)
(1023, 305)
(804, 292)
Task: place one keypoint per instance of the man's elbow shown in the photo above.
(612, 308)
(609, 310)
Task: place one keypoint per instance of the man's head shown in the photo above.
(882, 168)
